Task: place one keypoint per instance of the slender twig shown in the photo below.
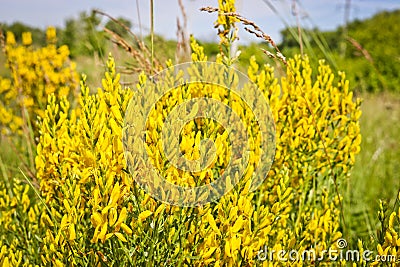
(296, 14)
(182, 47)
(152, 34)
(139, 42)
(139, 20)
(359, 47)
(124, 44)
(2, 41)
(368, 57)
(40, 198)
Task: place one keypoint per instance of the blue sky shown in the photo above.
(324, 14)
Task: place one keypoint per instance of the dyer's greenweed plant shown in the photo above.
(34, 74)
(88, 211)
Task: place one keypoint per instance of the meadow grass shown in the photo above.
(376, 172)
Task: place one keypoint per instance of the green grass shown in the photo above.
(376, 172)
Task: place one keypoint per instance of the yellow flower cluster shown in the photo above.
(316, 120)
(227, 30)
(194, 131)
(93, 200)
(20, 220)
(92, 213)
(80, 163)
(34, 74)
(318, 136)
(387, 252)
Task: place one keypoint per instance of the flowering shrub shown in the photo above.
(87, 210)
(94, 214)
(34, 74)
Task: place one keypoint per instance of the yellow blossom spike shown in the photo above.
(64, 221)
(6, 262)
(95, 237)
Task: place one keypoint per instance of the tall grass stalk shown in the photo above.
(152, 33)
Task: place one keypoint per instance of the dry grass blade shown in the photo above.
(152, 34)
(139, 42)
(139, 20)
(295, 13)
(2, 41)
(254, 29)
(369, 58)
(359, 47)
(141, 55)
(183, 46)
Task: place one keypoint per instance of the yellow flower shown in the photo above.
(72, 233)
(126, 229)
(120, 237)
(26, 38)
(144, 215)
(10, 39)
(103, 231)
(51, 35)
(96, 219)
(211, 221)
